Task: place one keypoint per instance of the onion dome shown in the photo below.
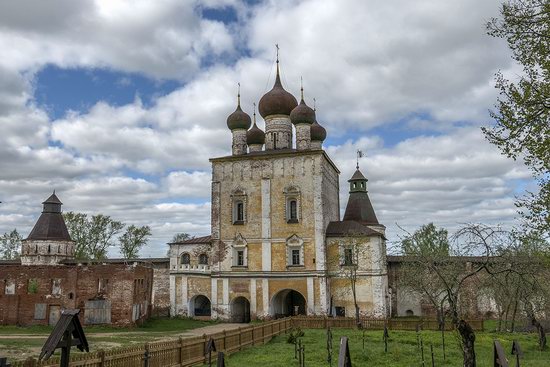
(317, 132)
(277, 101)
(302, 114)
(239, 119)
(255, 135)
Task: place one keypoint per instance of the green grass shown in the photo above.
(402, 350)
(99, 337)
(161, 324)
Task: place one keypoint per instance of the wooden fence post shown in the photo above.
(101, 358)
(240, 339)
(181, 350)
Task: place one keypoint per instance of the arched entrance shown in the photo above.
(288, 302)
(199, 306)
(240, 310)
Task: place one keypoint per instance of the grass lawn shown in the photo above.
(402, 350)
(21, 342)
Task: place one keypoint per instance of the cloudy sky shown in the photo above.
(119, 104)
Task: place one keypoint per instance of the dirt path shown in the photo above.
(211, 329)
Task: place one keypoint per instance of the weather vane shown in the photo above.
(359, 155)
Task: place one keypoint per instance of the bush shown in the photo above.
(294, 334)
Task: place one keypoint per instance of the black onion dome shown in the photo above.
(317, 132)
(255, 135)
(302, 114)
(239, 120)
(277, 101)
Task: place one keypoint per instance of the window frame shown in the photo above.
(292, 195)
(201, 257)
(188, 256)
(238, 206)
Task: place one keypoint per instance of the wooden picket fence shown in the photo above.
(179, 352)
(320, 322)
(184, 352)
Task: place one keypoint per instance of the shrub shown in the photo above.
(294, 334)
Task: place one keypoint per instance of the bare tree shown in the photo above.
(523, 265)
(349, 262)
(217, 251)
(10, 245)
(450, 268)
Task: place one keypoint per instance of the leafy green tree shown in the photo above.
(427, 241)
(10, 245)
(522, 113)
(133, 239)
(78, 226)
(180, 237)
(93, 235)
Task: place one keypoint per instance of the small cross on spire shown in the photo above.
(302, 87)
(239, 94)
(314, 106)
(254, 114)
(277, 47)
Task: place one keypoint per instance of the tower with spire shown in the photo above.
(49, 241)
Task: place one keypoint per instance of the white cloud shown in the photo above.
(449, 179)
(427, 64)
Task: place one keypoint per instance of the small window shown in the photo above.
(295, 257)
(240, 258)
(340, 311)
(238, 212)
(9, 287)
(102, 285)
(56, 287)
(348, 256)
(409, 313)
(185, 259)
(203, 259)
(292, 211)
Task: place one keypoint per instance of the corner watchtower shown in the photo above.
(49, 241)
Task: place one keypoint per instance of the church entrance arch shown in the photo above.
(240, 310)
(199, 305)
(287, 302)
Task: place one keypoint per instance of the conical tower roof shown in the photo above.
(50, 224)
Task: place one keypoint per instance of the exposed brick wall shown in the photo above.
(127, 285)
(161, 289)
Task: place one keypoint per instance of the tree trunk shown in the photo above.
(513, 326)
(538, 326)
(468, 338)
(542, 334)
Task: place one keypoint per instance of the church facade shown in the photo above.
(278, 245)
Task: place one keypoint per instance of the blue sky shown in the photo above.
(119, 105)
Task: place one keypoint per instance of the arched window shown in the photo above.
(203, 259)
(239, 206)
(240, 211)
(293, 209)
(185, 259)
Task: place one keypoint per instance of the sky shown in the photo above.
(118, 105)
